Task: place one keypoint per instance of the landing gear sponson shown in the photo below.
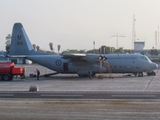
(151, 73)
(140, 74)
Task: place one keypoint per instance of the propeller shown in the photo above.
(102, 57)
(102, 60)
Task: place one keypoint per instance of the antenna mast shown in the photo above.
(158, 38)
(155, 39)
(133, 32)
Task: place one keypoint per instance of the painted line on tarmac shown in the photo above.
(151, 96)
(6, 95)
(44, 95)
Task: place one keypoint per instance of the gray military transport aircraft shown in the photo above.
(81, 64)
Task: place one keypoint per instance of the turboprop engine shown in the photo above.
(102, 58)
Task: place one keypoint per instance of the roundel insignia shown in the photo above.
(58, 62)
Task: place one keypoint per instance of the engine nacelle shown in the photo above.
(93, 58)
(102, 57)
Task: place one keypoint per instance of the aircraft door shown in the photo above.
(65, 67)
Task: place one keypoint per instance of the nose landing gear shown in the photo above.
(140, 74)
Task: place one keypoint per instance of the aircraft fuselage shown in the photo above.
(119, 63)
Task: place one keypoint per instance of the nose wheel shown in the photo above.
(140, 74)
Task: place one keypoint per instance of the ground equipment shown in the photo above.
(8, 71)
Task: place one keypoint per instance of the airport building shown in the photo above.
(138, 46)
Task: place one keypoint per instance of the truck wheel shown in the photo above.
(6, 77)
(22, 76)
(11, 78)
(1, 77)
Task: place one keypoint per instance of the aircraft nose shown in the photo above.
(154, 66)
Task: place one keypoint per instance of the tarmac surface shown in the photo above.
(131, 97)
(71, 82)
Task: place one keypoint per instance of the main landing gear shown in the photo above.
(140, 74)
(151, 73)
(90, 74)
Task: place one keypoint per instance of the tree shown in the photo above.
(106, 49)
(119, 50)
(34, 46)
(127, 51)
(91, 51)
(103, 49)
(82, 51)
(112, 49)
(154, 52)
(142, 52)
(8, 42)
(38, 48)
(51, 46)
(59, 47)
(70, 51)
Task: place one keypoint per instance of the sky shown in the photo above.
(75, 24)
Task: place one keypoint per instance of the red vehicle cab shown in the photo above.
(7, 71)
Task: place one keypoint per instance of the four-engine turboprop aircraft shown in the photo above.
(81, 64)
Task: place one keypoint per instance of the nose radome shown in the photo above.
(154, 65)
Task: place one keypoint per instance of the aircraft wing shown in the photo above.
(73, 56)
(81, 57)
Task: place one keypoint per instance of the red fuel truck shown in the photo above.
(7, 71)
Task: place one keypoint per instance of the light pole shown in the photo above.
(94, 46)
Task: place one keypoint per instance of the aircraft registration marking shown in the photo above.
(19, 43)
(19, 37)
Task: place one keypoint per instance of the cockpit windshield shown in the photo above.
(146, 58)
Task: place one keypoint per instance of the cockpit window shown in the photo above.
(146, 58)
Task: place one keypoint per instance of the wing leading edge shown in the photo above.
(73, 56)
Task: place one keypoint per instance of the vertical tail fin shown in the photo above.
(20, 43)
